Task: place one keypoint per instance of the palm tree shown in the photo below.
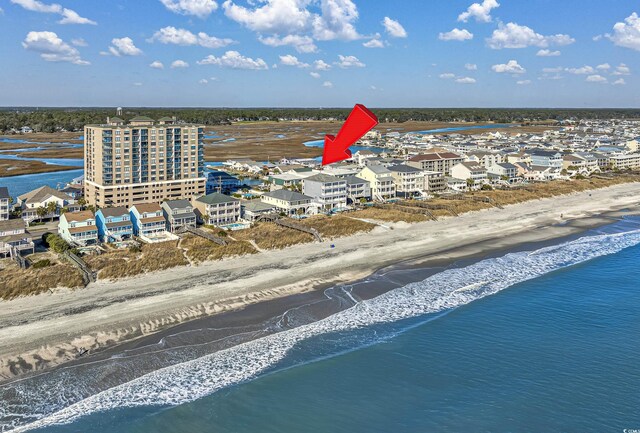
(41, 212)
(52, 207)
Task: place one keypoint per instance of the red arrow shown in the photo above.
(359, 122)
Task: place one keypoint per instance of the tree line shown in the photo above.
(73, 119)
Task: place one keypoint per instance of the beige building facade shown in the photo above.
(144, 161)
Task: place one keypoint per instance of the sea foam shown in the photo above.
(188, 381)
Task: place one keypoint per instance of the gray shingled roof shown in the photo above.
(178, 204)
(402, 168)
(4, 192)
(114, 211)
(354, 180)
(284, 194)
(216, 198)
(324, 178)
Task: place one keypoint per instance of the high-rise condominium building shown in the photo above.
(142, 161)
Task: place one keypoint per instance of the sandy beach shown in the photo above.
(46, 330)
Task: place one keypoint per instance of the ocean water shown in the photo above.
(540, 340)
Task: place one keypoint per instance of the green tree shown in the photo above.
(52, 207)
(41, 212)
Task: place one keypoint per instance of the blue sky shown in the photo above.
(315, 53)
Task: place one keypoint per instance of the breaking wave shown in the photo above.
(188, 381)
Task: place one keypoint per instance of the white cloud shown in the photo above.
(68, 16)
(480, 11)
(234, 60)
(456, 35)
(314, 74)
(585, 70)
(603, 67)
(465, 80)
(79, 42)
(327, 84)
(289, 60)
(302, 44)
(321, 65)
(172, 35)
(447, 76)
(627, 34)
(596, 79)
(349, 62)
(394, 28)
(523, 82)
(513, 35)
(375, 42)
(203, 81)
(336, 19)
(511, 67)
(198, 8)
(124, 47)
(156, 65)
(179, 64)
(622, 69)
(1, 11)
(553, 70)
(471, 67)
(619, 82)
(72, 17)
(547, 53)
(273, 16)
(52, 48)
(137, 84)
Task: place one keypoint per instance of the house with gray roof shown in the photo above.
(330, 192)
(288, 202)
(114, 224)
(14, 236)
(217, 209)
(254, 209)
(357, 188)
(179, 214)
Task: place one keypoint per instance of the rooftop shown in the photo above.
(216, 198)
(286, 195)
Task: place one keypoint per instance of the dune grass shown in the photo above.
(16, 282)
(337, 226)
(126, 263)
(269, 236)
(199, 250)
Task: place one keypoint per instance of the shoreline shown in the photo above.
(54, 327)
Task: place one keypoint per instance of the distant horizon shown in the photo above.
(266, 107)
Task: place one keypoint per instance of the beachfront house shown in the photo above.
(179, 214)
(330, 192)
(254, 209)
(114, 224)
(357, 189)
(434, 181)
(217, 209)
(288, 202)
(629, 161)
(49, 200)
(78, 228)
(148, 221)
(380, 181)
(470, 170)
(5, 202)
(409, 180)
(14, 237)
